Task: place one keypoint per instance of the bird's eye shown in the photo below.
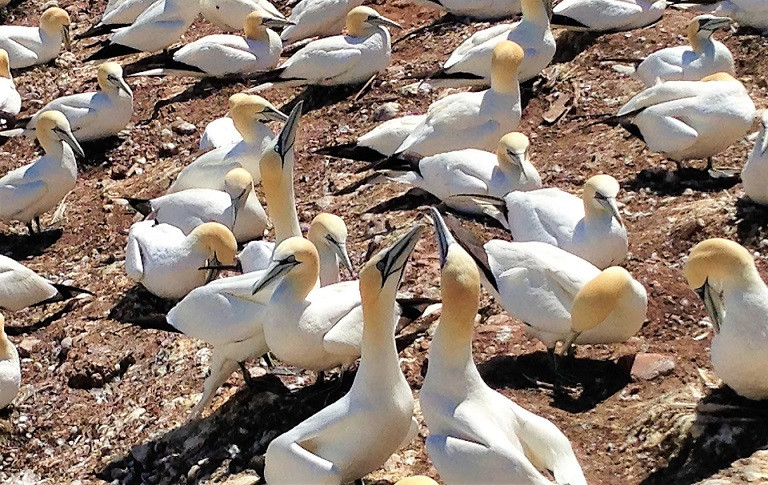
(289, 260)
(381, 265)
(600, 196)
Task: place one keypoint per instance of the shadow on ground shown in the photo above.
(20, 247)
(666, 182)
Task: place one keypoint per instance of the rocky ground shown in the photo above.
(104, 400)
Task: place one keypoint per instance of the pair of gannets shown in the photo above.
(753, 13)
(468, 172)
(20, 287)
(160, 25)
(208, 171)
(607, 15)
(366, 50)
(477, 9)
(167, 262)
(29, 191)
(477, 435)
(228, 15)
(29, 46)
(702, 58)
(92, 115)
(317, 18)
(119, 13)
(755, 171)
(724, 275)
(10, 368)
(559, 296)
(10, 99)
(589, 227)
(237, 207)
(470, 63)
(225, 54)
(358, 433)
(689, 119)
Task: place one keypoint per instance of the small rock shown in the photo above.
(27, 346)
(650, 366)
(386, 111)
(140, 453)
(169, 150)
(183, 127)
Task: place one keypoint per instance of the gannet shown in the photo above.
(755, 171)
(160, 25)
(317, 18)
(689, 119)
(221, 131)
(357, 434)
(120, 13)
(167, 262)
(470, 171)
(228, 15)
(473, 120)
(10, 99)
(470, 63)
(702, 58)
(10, 369)
(237, 207)
(752, 13)
(724, 275)
(29, 46)
(341, 59)
(20, 287)
(477, 435)
(208, 170)
(589, 227)
(607, 15)
(32, 190)
(225, 54)
(477, 9)
(379, 143)
(92, 115)
(537, 283)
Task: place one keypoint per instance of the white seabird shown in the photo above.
(607, 15)
(20, 287)
(317, 18)
(29, 46)
(755, 171)
(10, 368)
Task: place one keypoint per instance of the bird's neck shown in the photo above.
(329, 267)
(6, 347)
(51, 145)
(505, 82)
(260, 34)
(379, 362)
(248, 129)
(298, 284)
(451, 351)
(700, 40)
(281, 204)
(593, 213)
(535, 12)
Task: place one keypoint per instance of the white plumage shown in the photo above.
(228, 15)
(10, 368)
(220, 132)
(752, 13)
(607, 15)
(10, 99)
(20, 287)
(29, 46)
(755, 171)
(317, 18)
(477, 9)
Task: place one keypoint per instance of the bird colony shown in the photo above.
(277, 242)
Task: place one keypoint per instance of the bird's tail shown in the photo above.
(99, 29)
(142, 206)
(351, 151)
(65, 292)
(110, 51)
(489, 205)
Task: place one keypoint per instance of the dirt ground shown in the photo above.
(104, 400)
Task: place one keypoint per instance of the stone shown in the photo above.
(386, 111)
(169, 150)
(27, 346)
(647, 366)
(182, 127)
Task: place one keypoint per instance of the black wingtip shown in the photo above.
(400, 162)
(142, 206)
(351, 151)
(99, 29)
(110, 51)
(66, 292)
(565, 22)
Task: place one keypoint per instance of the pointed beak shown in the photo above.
(394, 258)
(520, 160)
(273, 114)
(287, 137)
(444, 236)
(764, 141)
(121, 84)
(716, 23)
(614, 206)
(67, 38)
(384, 22)
(68, 138)
(341, 252)
(713, 309)
(276, 271)
(236, 203)
(275, 22)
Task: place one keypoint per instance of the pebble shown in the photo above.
(647, 367)
(169, 150)
(183, 127)
(27, 346)
(386, 111)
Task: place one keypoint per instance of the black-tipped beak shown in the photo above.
(444, 236)
(275, 22)
(274, 114)
(384, 22)
(287, 137)
(713, 309)
(394, 258)
(276, 271)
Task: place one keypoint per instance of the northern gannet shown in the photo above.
(29, 46)
(379, 143)
(589, 227)
(228, 15)
(10, 99)
(466, 172)
(755, 171)
(208, 170)
(470, 63)
(702, 58)
(10, 369)
(689, 119)
(537, 283)
(473, 120)
(20, 287)
(357, 434)
(221, 131)
(32, 190)
(237, 207)
(167, 262)
(752, 13)
(477, 435)
(160, 25)
(119, 13)
(93, 115)
(477, 9)
(225, 54)
(724, 275)
(342, 59)
(317, 18)
(607, 15)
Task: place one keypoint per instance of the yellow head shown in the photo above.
(238, 182)
(217, 240)
(52, 128)
(5, 64)
(505, 64)
(5, 345)
(359, 19)
(718, 260)
(295, 260)
(237, 98)
(719, 76)
(416, 480)
(252, 108)
(110, 77)
(55, 21)
(596, 300)
(512, 149)
(257, 22)
(600, 194)
(701, 28)
(330, 232)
